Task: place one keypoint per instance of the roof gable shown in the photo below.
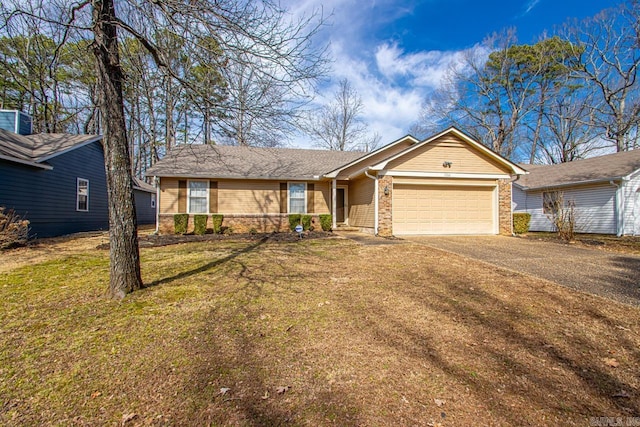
(364, 162)
(594, 169)
(492, 158)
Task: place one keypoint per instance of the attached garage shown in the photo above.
(444, 209)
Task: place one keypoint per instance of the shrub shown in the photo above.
(14, 231)
(561, 213)
(199, 224)
(326, 222)
(294, 219)
(252, 231)
(306, 221)
(216, 219)
(521, 222)
(180, 223)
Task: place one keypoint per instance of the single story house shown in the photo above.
(57, 181)
(604, 192)
(446, 184)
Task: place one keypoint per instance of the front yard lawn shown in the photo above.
(316, 332)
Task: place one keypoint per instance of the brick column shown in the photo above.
(505, 219)
(385, 219)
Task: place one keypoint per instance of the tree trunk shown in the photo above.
(123, 236)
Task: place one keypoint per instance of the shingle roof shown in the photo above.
(139, 184)
(39, 147)
(219, 161)
(594, 169)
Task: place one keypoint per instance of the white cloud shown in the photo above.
(392, 83)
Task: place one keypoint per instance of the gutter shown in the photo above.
(375, 201)
(571, 184)
(26, 162)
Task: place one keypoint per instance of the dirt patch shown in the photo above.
(314, 332)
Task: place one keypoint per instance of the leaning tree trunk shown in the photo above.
(123, 237)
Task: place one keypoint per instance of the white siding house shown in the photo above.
(604, 190)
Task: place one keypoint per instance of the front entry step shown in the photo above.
(342, 227)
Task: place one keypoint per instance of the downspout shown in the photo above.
(156, 180)
(334, 197)
(375, 201)
(619, 208)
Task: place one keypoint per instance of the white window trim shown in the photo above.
(289, 196)
(189, 195)
(78, 179)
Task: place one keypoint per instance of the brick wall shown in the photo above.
(505, 219)
(266, 223)
(385, 218)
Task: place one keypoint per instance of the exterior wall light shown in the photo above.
(386, 190)
(447, 164)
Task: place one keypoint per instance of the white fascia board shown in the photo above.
(73, 147)
(516, 169)
(411, 174)
(334, 173)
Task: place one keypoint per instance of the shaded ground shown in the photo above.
(315, 332)
(610, 274)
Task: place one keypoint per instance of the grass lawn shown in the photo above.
(317, 332)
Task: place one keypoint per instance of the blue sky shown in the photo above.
(395, 52)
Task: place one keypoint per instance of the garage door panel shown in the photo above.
(422, 209)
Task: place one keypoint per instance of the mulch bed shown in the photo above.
(157, 240)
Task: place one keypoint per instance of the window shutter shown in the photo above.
(310, 198)
(283, 197)
(182, 196)
(213, 196)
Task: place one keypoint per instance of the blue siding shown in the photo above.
(24, 124)
(8, 120)
(48, 198)
(145, 214)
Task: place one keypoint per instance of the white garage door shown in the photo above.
(422, 209)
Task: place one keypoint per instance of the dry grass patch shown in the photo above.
(607, 242)
(309, 333)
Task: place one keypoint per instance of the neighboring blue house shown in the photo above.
(57, 181)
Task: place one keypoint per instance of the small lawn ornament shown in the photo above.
(299, 230)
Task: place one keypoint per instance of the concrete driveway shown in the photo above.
(612, 275)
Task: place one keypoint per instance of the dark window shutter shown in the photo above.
(213, 196)
(310, 197)
(182, 196)
(283, 197)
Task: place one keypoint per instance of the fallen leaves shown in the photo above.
(439, 402)
(283, 390)
(128, 417)
(611, 362)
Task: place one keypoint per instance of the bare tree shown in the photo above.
(610, 51)
(339, 125)
(260, 29)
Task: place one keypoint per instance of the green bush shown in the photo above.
(180, 223)
(199, 224)
(326, 222)
(216, 219)
(294, 219)
(521, 222)
(306, 222)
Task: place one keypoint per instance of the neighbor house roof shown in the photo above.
(595, 169)
(38, 148)
(139, 184)
(220, 161)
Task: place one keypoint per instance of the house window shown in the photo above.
(297, 198)
(153, 200)
(549, 202)
(82, 194)
(198, 196)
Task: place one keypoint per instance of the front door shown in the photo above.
(340, 205)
